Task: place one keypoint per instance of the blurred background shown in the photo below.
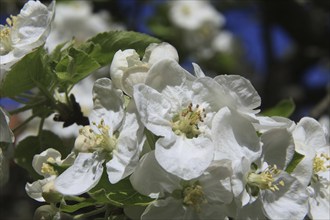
(282, 47)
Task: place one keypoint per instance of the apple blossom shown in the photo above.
(179, 107)
(200, 198)
(127, 69)
(314, 169)
(43, 163)
(268, 190)
(114, 137)
(24, 32)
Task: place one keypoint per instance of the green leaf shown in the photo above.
(23, 74)
(32, 145)
(294, 162)
(284, 108)
(151, 139)
(119, 194)
(74, 207)
(75, 66)
(103, 46)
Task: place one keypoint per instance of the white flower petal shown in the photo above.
(234, 137)
(242, 92)
(108, 104)
(133, 76)
(120, 64)
(309, 136)
(165, 209)
(40, 159)
(216, 183)
(319, 202)
(34, 190)
(304, 171)
(198, 71)
(166, 73)
(278, 147)
(289, 202)
(32, 25)
(82, 176)
(185, 158)
(149, 178)
(267, 123)
(251, 211)
(126, 155)
(153, 108)
(156, 52)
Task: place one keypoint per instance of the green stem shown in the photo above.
(26, 96)
(26, 107)
(107, 212)
(23, 124)
(75, 198)
(88, 214)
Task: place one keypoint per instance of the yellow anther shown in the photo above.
(48, 169)
(101, 140)
(319, 163)
(11, 20)
(187, 121)
(265, 179)
(194, 196)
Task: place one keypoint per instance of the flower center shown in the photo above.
(186, 122)
(265, 179)
(5, 36)
(319, 163)
(47, 168)
(194, 196)
(93, 141)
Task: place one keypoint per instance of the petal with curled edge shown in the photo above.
(183, 157)
(126, 155)
(241, 91)
(234, 137)
(82, 176)
(108, 104)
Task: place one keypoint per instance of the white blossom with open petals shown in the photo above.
(24, 32)
(171, 107)
(127, 69)
(114, 137)
(179, 108)
(268, 191)
(199, 198)
(43, 164)
(314, 169)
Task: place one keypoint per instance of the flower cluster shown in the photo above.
(160, 142)
(208, 154)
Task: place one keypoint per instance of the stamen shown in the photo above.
(102, 140)
(187, 121)
(265, 179)
(194, 196)
(47, 168)
(319, 163)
